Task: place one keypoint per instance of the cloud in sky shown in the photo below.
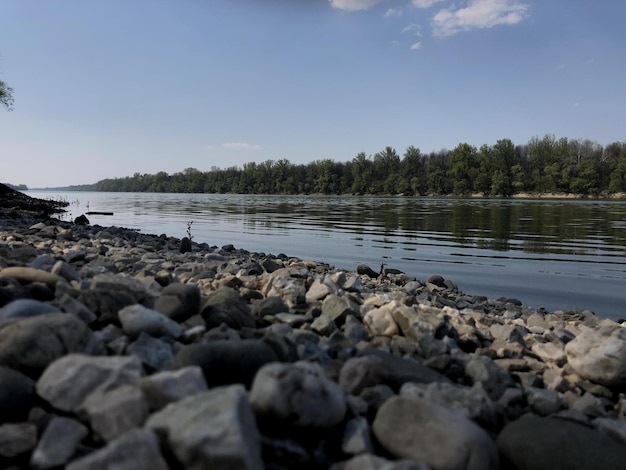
(353, 5)
(240, 146)
(424, 3)
(413, 28)
(478, 14)
(416, 45)
(392, 12)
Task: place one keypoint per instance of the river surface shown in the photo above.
(557, 254)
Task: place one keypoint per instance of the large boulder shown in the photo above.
(598, 355)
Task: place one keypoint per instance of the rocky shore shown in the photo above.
(117, 350)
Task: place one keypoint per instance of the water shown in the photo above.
(559, 254)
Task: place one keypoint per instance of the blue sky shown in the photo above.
(110, 88)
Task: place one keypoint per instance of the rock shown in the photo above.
(225, 362)
(550, 353)
(24, 308)
(179, 301)
(317, 291)
(373, 462)
(443, 439)
(214, 429)
(29, 275)
(185, 245)
(615, 428)
(436, 280)
(118, 283)
(338, 308)
(291, 289)
(357, 438)
(225, 305)
(359, 373)
(365, 270)
(324, 325)
(136, 449)
(113, 412)
(533, 443)
(31, 344)
(106, 303)
(68, 381)
(17, 395)
(81, 220)
(598, 355)
(155, 354)
(165, 387)
(58, 442)
(473, 403)
(136, 319)
(17, 438)
(298, 394)
(544, 402)
(380, 322)
(66, 271)
(270, 306)
(493, 379)
(590, 405)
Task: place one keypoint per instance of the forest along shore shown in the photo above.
(198, 356)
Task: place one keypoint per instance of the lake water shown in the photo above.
(559, 254)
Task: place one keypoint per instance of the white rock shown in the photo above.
(380, 322)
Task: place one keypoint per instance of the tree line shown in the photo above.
(543, 165)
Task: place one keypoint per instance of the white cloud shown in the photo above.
(478, 14)
(413, 28)
(240, 146)
(353, 5)
(424, 3)
(416, 45)
(392, 12)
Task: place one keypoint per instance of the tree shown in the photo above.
(6, 96)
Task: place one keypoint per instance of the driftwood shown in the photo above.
(98, 213)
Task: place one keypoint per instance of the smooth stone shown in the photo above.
(544, 402)
(31, 344)
(136, 319)
(179, 301)
(357, 437)
(225, 305)
(443, 439)
(215, 429)
(17, 395)
(156, 354)
(165, 387)
(598, 355)
(66, 271)
(534, 443)
(58, 443)
(298, 394)
(68, 381)
(25, 274)
(225, 362)
(24, 308)
(133, 450)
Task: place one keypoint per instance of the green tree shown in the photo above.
(463, 168)
(6, 96)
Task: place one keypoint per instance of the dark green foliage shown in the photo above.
(543, 165)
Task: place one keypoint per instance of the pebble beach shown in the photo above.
(125, 350)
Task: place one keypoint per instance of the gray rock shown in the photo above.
(134, 450)
(533, 443)
(486, 373)
(225, 305)
(31, 344)
(155, 354)
(324, 325)
(17, 395)
(473, 403)
(299, 394)
(58, 442)
(17, 438)
(615, 428)
(136, 319)
(70, 305)
(359, 373)
(165, 387)
(270, 306)
(106, 303)
(120, 283)
(544, 402)
(357, 437)
(215, 429)
(66, 271)
(24, 308)
(590, 405)
(225, 362)
(443, 439)
(179, 301)
(338, 308)
(68, 381)
(373, 462)
(598, 355)
(365, 270)
(317, 291)
(113, 412)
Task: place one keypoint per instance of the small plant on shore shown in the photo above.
(189, 235)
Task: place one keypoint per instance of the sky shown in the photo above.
(109, 88)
